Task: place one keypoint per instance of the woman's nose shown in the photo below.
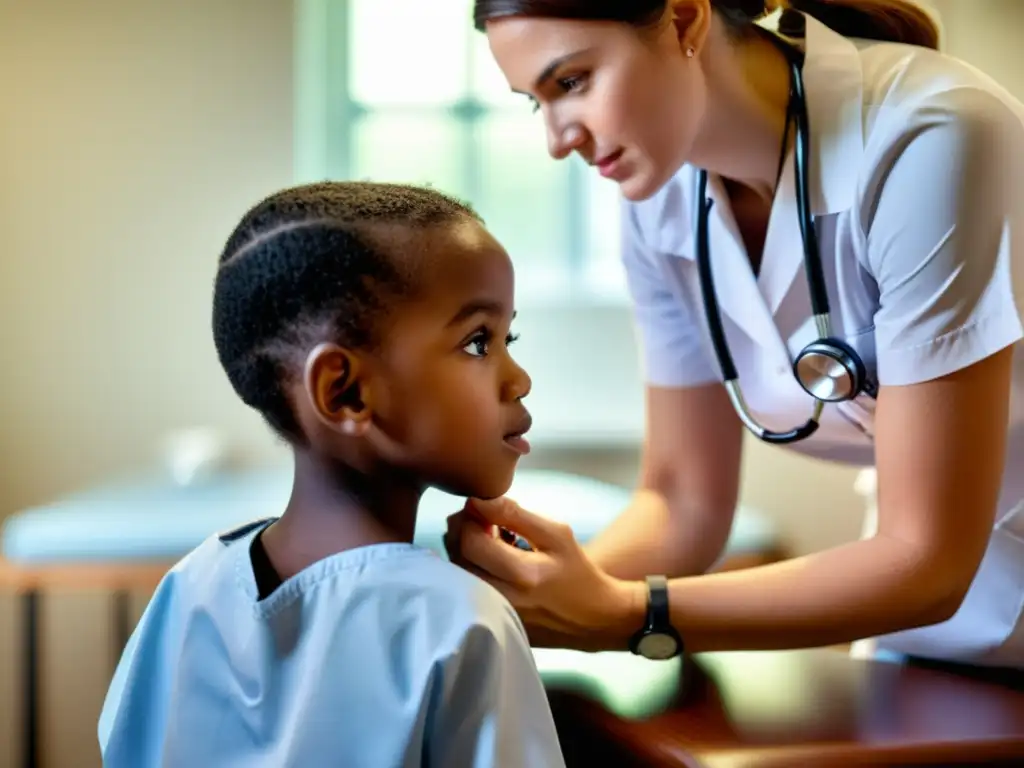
(563, 141)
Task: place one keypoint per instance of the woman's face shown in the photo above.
(627, 101)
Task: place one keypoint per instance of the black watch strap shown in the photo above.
(657, 639)
(657, 603)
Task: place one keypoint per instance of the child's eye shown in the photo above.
(479, 345)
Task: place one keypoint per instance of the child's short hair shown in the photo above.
(312, 264)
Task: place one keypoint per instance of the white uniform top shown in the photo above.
(385, 655)
(917, 189)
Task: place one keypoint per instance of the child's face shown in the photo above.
(443, 395)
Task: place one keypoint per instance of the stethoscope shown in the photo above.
(828, 369)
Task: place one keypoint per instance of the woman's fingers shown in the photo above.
(456, 555)
(498, 558)
(541, 532)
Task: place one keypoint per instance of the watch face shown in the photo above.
(658, 646)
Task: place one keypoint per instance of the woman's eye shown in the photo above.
(572, 84)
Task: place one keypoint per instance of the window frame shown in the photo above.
(325, 109)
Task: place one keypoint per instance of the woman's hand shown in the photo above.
(563, 599)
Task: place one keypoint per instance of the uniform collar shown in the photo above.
(833, 86)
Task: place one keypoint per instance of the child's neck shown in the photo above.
(333, 509)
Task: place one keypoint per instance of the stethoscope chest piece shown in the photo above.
(830, 371)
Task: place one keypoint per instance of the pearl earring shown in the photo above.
(348, 427)
(690, 52)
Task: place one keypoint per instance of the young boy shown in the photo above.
(369, 325)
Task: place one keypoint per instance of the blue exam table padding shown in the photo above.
(152, 519)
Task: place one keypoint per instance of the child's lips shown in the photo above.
(518, 443)
(516, 440)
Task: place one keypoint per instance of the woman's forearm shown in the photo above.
(863, 589)
(649, 537)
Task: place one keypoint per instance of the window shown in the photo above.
(406, 90)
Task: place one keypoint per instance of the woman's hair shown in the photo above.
(311, 264)
(897, 21)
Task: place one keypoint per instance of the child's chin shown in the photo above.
(477, 482)
(492, 487)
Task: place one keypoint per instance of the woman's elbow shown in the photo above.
(944, 605)
(928, 578)
(701, 535)
(941, 590)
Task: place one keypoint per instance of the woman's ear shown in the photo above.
(691, 20)
(333, 383)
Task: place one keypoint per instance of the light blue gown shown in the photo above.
(385, 656)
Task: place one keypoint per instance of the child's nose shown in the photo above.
(518, 384)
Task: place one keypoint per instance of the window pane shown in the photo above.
(412, 149)
(409, 51)
(489, 84)
(604, 270)
(523, 197)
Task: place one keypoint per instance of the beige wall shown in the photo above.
(984, 32)
(132, 134)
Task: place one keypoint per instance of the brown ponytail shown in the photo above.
(896, 21)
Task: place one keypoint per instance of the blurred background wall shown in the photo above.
(133, 134)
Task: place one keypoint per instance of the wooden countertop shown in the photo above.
(81, 576)
(803, 708)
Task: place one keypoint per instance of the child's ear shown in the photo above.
(333, 384)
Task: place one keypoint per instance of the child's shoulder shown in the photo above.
(444, 599)
(438, 621)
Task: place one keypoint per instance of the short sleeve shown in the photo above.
(490, 709)
(946, 237)
(671, 349)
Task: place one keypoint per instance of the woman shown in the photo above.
(910, 166)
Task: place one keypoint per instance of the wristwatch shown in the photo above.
(657, 639)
